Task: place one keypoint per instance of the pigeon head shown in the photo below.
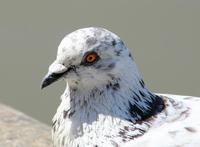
(88, 58)
(104, 91)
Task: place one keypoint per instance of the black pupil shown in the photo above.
(90, 58)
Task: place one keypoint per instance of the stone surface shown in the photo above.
(19, 130)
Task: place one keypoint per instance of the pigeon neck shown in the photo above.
(117, 99)
(102, 113)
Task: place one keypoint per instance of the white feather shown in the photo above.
(172, 132)
(105, 105)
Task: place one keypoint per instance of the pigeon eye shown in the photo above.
(91, 58)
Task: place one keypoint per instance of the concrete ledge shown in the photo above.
(19, 130)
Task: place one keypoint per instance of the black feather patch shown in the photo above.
(155, 105)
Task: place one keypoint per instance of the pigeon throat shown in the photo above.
(131, 103)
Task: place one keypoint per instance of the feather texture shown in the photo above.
(106, 103)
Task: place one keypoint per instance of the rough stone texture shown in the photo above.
(19, 130)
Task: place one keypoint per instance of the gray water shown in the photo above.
(164, 37)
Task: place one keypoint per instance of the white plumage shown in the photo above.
(107, 104)
(181, 128)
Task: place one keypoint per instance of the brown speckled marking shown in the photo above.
(125, 136)
(190, 129)
(176, 105)
(165, 100)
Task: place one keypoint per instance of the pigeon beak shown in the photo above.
(51, 78)
(56, 72)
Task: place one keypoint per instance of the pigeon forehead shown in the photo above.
(83, 40)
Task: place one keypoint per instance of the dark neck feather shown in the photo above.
(154, 103)
(143, 103)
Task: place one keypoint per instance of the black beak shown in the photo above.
(50, 78)
(53, 77)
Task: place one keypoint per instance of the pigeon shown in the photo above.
(106, 103)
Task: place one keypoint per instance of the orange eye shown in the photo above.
(91, 57)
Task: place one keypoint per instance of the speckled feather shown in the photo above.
(179, 128)
(108, 104)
